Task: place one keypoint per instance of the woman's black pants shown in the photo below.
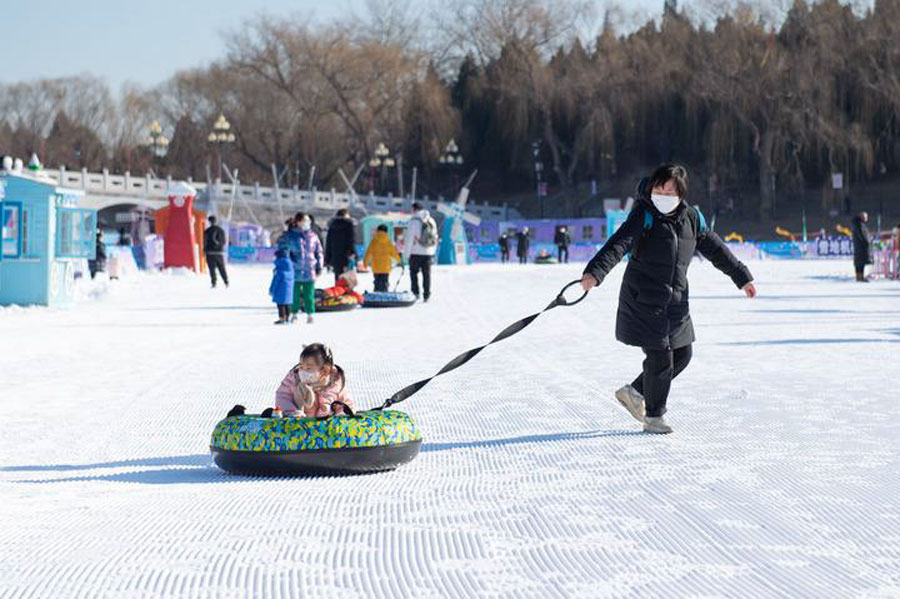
(660, 367)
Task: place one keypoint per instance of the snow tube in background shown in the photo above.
(342, 303)
(365, 442)
(388, 299)
(545, 260)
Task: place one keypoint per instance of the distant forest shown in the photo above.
(761, 109)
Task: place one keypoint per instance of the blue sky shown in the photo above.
(143, 41)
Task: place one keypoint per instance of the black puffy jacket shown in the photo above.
(522, 242)
(653, 301)
(214, 240)
(339, 244)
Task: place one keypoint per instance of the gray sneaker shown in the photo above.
(632, 401)
(656, 425)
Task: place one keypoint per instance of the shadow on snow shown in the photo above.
(199, 468)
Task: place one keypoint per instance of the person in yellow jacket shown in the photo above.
(379, 257)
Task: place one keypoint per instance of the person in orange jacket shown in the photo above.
(380, 256)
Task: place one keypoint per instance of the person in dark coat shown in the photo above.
(522, 245)
(662, 231)
(214, 244)
(98, 264)
(340, 243)
(504, 248)
(862, 247)
(563, 240)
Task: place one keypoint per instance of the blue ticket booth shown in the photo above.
(44, 237)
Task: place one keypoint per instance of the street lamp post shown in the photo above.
(538, 169)
(453, 159)
(156, 142)
(382, 159)
(219, 136)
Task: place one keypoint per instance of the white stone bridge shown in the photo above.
(103, 189)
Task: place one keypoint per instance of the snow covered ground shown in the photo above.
(781, 480)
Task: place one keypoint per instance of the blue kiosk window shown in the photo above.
(11, 224)
(75, 233)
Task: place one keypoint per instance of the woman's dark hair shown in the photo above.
(321, 353)
(669, 172)
(299, 216)
(383, 228)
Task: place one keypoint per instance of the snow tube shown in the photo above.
(388, 299)
(365, 442)
(341, 303)
(545, 260)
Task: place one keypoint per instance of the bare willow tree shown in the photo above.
(483, 28)
(32, 109)
(335, 85)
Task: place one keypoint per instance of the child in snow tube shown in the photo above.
(314, 387)
(318, 430)
(341, 296)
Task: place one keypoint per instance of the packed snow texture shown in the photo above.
(782, 478)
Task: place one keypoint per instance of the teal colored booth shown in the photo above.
(396, 222)
(45, 237)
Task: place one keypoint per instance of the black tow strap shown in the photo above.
(468, 355)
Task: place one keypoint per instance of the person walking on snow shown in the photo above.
(418, 250)
(563, 240)
(662, 232)
(522, 242)
(379, 257)
(504, 248)
(214, 243)
(303, 247)
(862, 248)
(98, 264)
(339, 243)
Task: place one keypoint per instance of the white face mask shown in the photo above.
(307, 376)
(305, 225)
(665, 204)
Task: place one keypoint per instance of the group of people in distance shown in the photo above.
(562, 239)
(301, 257)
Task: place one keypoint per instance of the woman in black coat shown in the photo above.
(662, 231)
(862, 247)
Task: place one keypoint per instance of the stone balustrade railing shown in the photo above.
(130, 186)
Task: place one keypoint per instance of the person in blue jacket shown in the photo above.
(282, 287)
